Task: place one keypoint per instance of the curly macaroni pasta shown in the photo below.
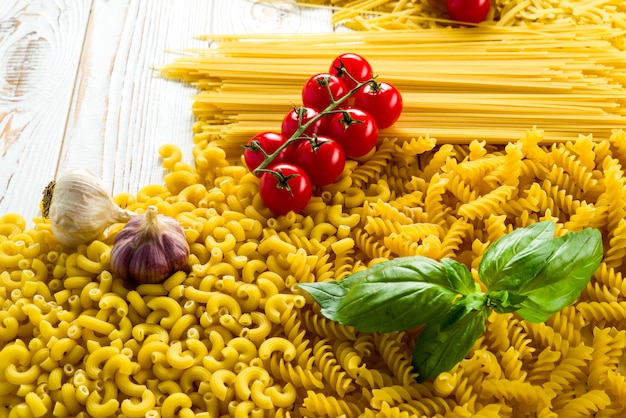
(232, 334)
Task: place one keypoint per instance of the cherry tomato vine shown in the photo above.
(341, 115)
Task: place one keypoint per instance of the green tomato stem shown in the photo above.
(297, 135)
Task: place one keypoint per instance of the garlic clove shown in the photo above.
(149, 264)
(173, 247)
(120, 257)
(80, 208)
(149, 248)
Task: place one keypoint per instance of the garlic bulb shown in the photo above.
(149, 248)
(80, 208)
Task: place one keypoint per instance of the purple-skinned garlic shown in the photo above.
(149, 248)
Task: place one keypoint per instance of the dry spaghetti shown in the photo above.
(458, 85)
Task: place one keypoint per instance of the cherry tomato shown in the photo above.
(321, 158)
(352, 64)
(471, 11)
(381, 100)
(355, 130)
(287, 189)
(299, 116)
(269, 142)
(315, 92)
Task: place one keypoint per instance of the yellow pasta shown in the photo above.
(173, 403)
(37, 405)
(129, 387)
(117, 364)
(222, 384)
(232, 334)
(275, 344)
(177, 358)
(166, 311)
(97, 406)
(170, 155)
(477, 89)
(131, 408)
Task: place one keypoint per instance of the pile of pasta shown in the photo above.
(232, 334)
(428, 14)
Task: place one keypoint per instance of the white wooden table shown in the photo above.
(78, 89)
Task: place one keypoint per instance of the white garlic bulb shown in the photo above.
(80, 208)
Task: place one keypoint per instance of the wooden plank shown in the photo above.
(40, 47)
(121, 113)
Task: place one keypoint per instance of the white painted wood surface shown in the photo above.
(77, 85)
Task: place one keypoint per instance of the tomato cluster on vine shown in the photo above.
(340, 117)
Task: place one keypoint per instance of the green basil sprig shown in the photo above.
(528, 271)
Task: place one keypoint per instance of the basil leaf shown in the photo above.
(461, 307)
(517, 257)
(568, 270)
(440, 346)
(394, 295)
(459, 277)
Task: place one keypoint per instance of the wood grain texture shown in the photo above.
(121, 113)
(40, 48)
(78, 87)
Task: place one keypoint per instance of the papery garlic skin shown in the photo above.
(149, 248)
(81, 208)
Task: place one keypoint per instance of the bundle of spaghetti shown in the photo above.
(428, 14)
(457, 85)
